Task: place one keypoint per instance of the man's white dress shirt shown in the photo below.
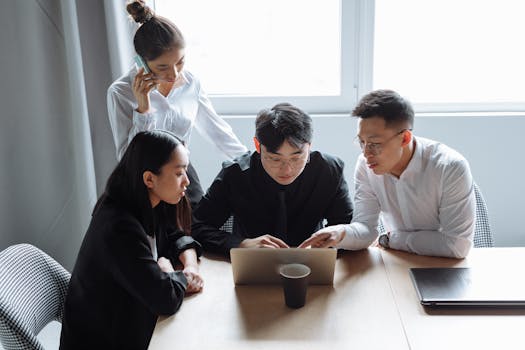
(429, 210)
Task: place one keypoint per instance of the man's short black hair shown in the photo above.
(386, 104)
(283, 122)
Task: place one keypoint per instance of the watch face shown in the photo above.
(383, 241)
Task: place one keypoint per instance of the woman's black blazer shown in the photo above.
(117, 290)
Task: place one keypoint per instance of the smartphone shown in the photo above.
(141, 63)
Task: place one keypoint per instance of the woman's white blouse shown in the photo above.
(186, 106)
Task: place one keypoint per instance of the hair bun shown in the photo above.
(139, 11)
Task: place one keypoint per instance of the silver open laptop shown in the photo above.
(468, 287)
(261, 266)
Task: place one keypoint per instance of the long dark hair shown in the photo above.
(148, 151)
(156, 34)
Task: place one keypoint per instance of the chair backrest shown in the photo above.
(32, 293)
(482, 232)
(228, 225)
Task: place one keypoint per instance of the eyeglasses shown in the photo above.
(294, 163)
(375, 148)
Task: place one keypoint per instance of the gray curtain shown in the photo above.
(56, 150)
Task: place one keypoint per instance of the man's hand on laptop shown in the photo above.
(265, 241)
(326, 237)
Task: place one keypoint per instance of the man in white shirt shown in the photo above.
(422, 189)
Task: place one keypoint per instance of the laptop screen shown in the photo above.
(260, 266)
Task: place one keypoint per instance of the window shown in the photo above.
(253, 54)
(451, 55)
(446, 56)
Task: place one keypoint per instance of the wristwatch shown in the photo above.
(384, 241)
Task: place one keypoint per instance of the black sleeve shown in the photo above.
(186, 242)
(341, 209)
(211, 213)
(171, 240)
(133, 268)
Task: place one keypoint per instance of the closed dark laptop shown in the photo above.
(468, 287)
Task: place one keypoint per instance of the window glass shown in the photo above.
(450, 51)
(261, 48)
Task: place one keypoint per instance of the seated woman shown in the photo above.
(124, 276)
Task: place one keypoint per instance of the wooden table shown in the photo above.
(479, 328)
(372, 305)
(347, 314)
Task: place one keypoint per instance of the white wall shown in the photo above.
(492, 144)
(46, 182)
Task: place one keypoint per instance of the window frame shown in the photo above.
(352, 13)
(357, 60)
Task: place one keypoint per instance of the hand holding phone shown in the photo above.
(141, 63)
(143, 84)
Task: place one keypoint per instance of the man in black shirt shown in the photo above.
(279, 195)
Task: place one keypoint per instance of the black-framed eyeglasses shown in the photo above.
(295, 162)
(375, 148)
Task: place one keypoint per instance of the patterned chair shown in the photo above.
(228, 225)
(32, 293)
(482, 232)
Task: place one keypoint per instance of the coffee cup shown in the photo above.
(294, 278)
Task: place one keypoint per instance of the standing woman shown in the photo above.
(168, 97)
(124, 277)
